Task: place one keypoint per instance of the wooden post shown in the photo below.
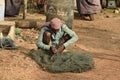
(25, 9)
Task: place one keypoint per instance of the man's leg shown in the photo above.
(66, 37)
(47, 41)
(82, 16)
(91, 16)
(47, 37)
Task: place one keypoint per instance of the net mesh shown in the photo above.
(66, 62)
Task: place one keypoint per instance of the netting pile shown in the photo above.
(66, 62)
(7, 43)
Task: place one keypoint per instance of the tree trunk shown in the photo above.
(63, 9)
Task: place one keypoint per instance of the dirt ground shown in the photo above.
(100, 38)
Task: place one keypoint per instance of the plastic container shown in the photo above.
(2, 9)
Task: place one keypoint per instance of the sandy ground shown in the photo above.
(100, 38)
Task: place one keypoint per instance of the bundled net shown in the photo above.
(66, 62)
(7, 43)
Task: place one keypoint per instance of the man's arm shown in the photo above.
(40, 43)
(72, 34)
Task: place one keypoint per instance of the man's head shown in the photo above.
(56, 23)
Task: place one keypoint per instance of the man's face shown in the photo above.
(55, 30)
(55, 27)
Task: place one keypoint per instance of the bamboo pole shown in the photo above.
(25, 9)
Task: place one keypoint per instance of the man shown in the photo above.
(55, 36)
(88, 8)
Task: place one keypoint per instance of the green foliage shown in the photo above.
(17, 31)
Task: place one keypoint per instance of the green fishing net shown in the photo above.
(7, 43)
(65, 62)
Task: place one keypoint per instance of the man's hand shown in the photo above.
(53, 49)
(61, 48)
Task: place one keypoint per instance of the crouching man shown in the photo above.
(55, 36)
